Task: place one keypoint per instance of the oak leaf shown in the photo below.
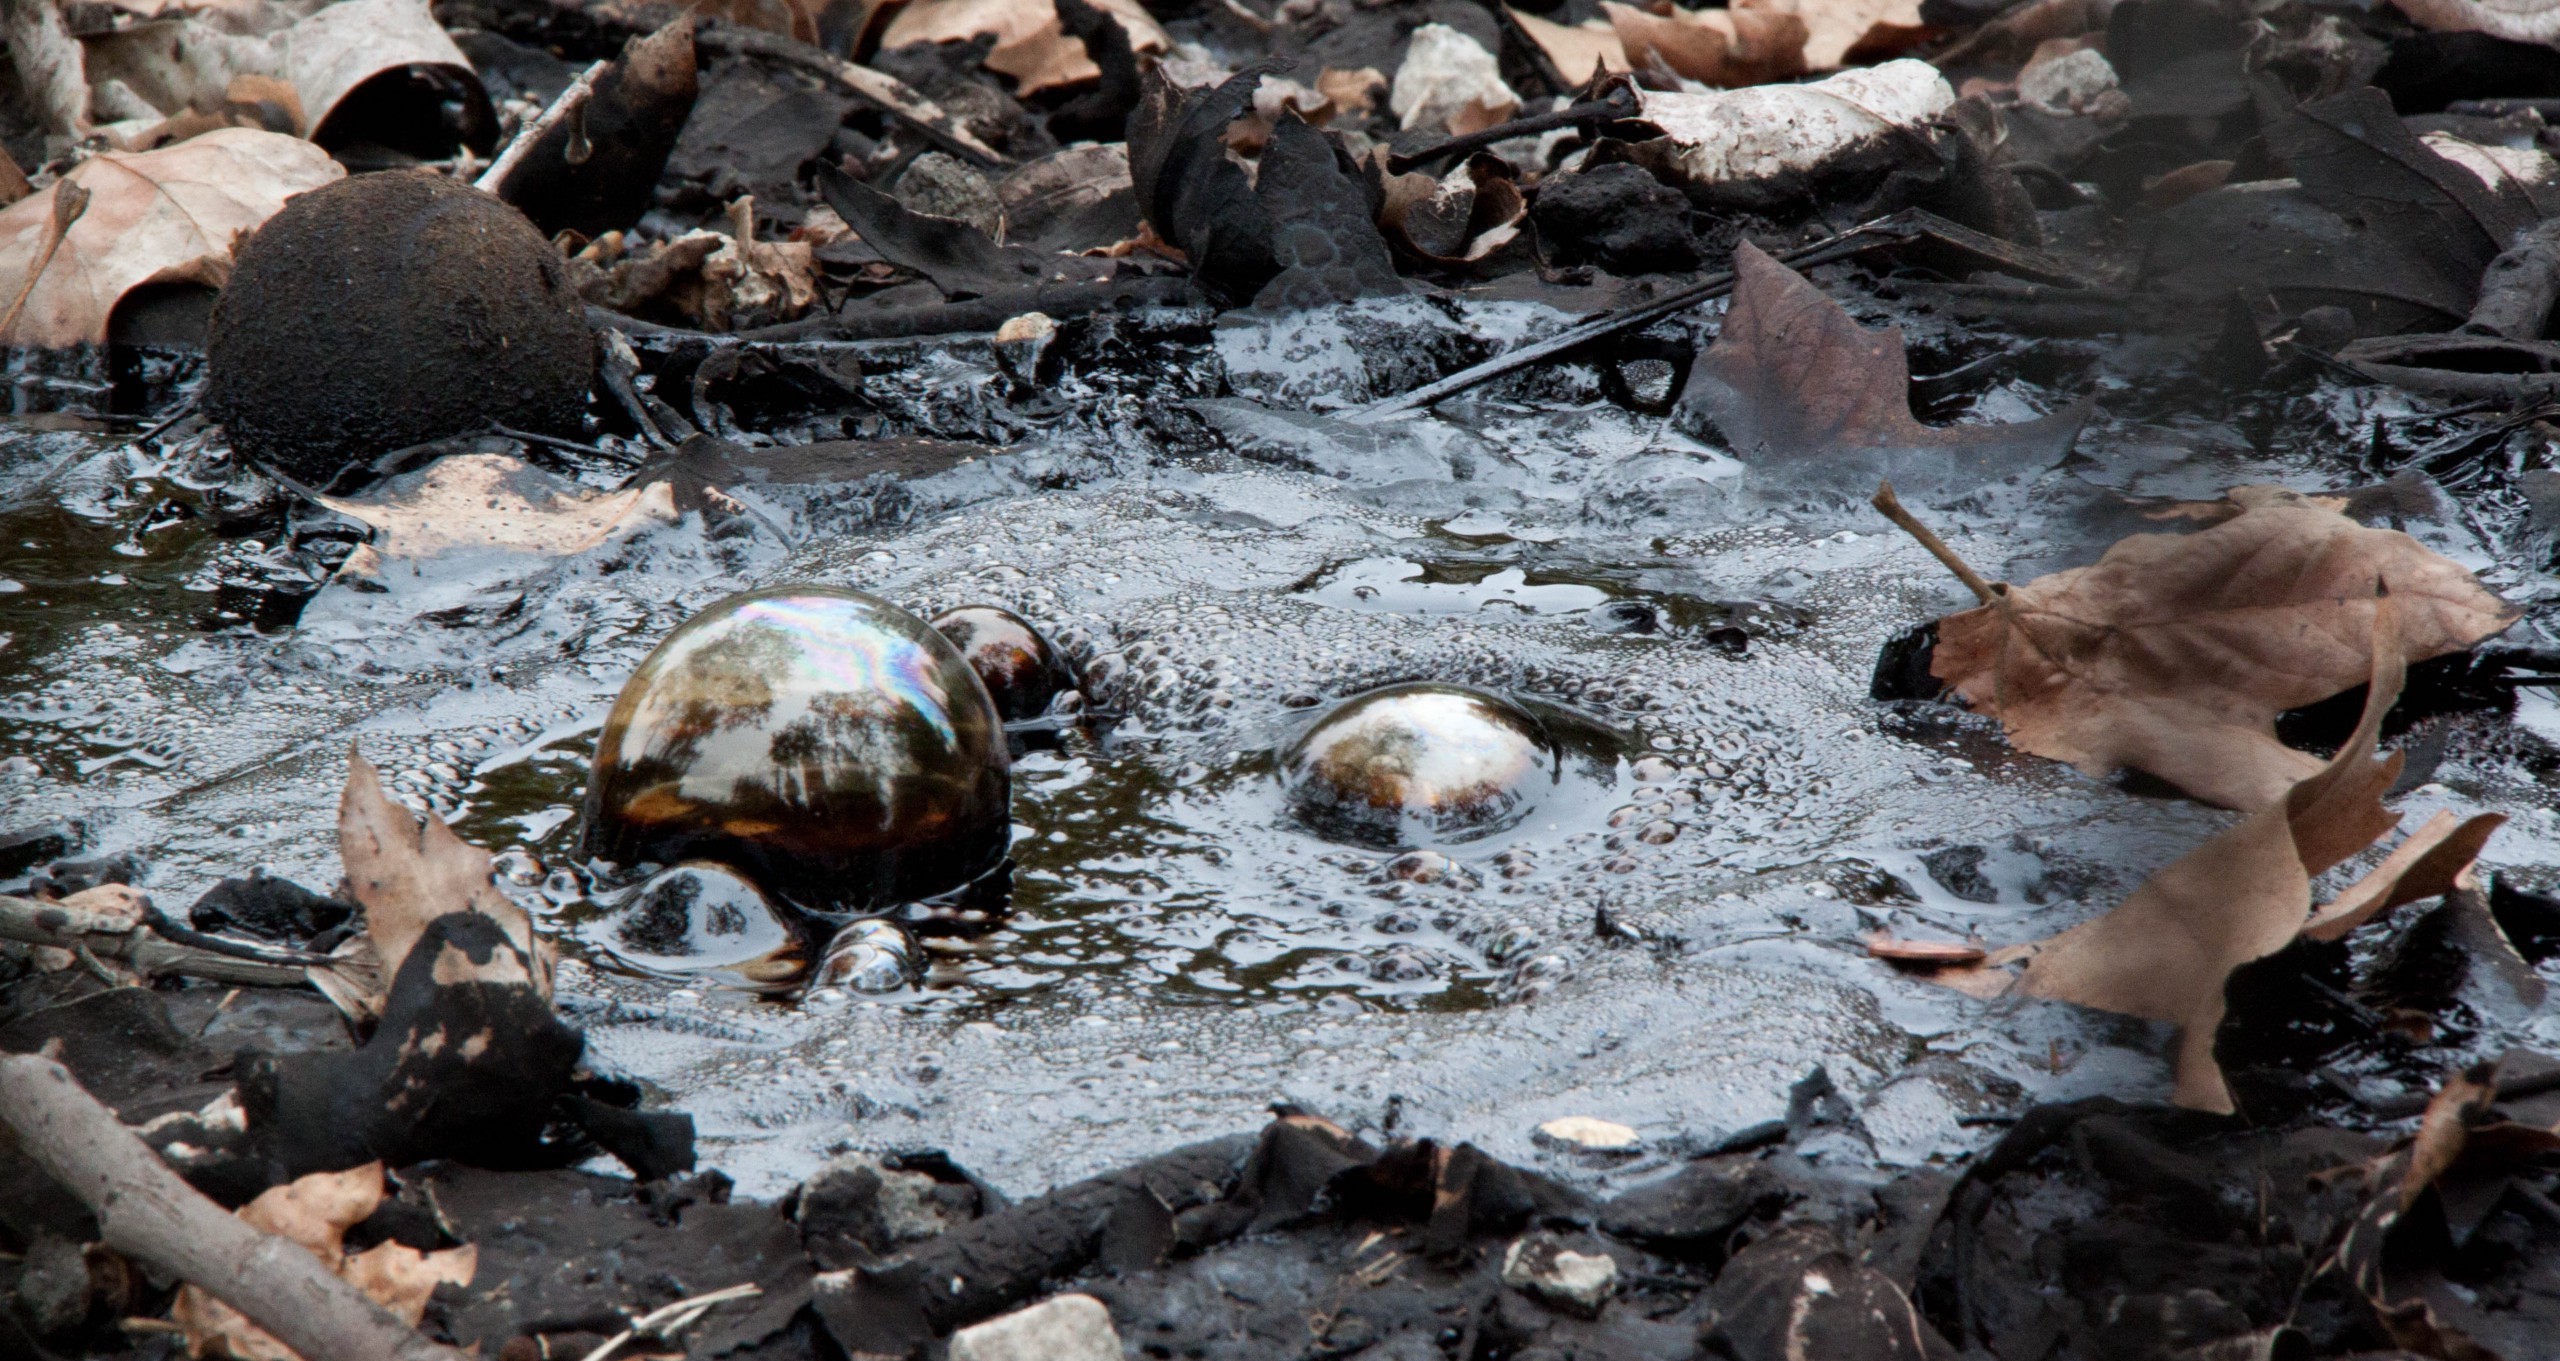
(1840, 32)
(167, 216)
(2173, 654)
(315, 1212)
(1808, 397)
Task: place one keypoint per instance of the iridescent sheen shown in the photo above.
(832, 747)
(1412, 764)
(1020, 667)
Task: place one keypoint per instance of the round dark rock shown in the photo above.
(388, 310)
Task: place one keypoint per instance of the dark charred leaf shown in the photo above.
(268, 908)
(754, 130)
(961, 260)
(595, 170)
(1808, 397)
(2355, 157)
(1692, 1212)
(1323, 237)
(466, 1064)
(1198, 199)
(1100, 114)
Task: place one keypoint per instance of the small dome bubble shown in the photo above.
(700, 919)
(1021, 669)
(829, 746)
(1418, 763)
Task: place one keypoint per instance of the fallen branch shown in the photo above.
(1588, 112)
(883, 92)
(145, 1211)
(30, 922)
(570, 101)
(1865, 236)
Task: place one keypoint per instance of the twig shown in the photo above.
(145, 1211)
(570, 101)
(70, 200)
(1588, 111)
(30, 922)
(883, 92)
(1840, 247)
(1894, 510)
(664, 1322)
(2511, 1089)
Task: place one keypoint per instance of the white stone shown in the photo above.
(2071, 83)
(1760, 133)
(1539, 1263)
(1589, 1133)
(1060, 1328)
(1444, 72)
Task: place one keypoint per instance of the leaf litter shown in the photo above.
(941, 196)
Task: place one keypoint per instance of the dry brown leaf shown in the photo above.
(1800, 390)
(2173, 654)
(407, 874)
(1354, 90)
(1839, 32)
(1030, 45)
(1715, 46)
(2429, 864)
(1578, 52)
(252, 101)
(495, 502)
(53, 81)
(1460, 219)
(2166, 952)
(168, 216)
(315, 1213)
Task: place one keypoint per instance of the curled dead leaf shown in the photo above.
(315, 1212)
(1031, 46)
(2167, 951)
(2522, 21)
(407, 873)
(2173, 654)
(167, 216)
(2432, 862)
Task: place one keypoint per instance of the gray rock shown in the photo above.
(857, 1210)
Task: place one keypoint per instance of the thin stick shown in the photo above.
(1588, 111)
(876, 88)
(569, 102)
(1848, 243)
(667, 1320)
(1894, 510)
(70, 200)
(146, 1212)
(30, 922)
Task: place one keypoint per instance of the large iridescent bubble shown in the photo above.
(830, 746)
(1409, 765)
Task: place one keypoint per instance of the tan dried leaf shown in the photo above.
(315, 1212)
(1030, 45)
(1579, 51)
(2429, 864)
(2173, 654)
(2166, 952)
(491, 501)
(167, 216)
(1839, 32)
(407, 874)
(1730, 47)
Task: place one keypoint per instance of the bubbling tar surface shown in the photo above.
(1668, 937)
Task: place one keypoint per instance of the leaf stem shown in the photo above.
(1901, 515)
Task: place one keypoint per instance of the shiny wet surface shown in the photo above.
(1668, 940)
